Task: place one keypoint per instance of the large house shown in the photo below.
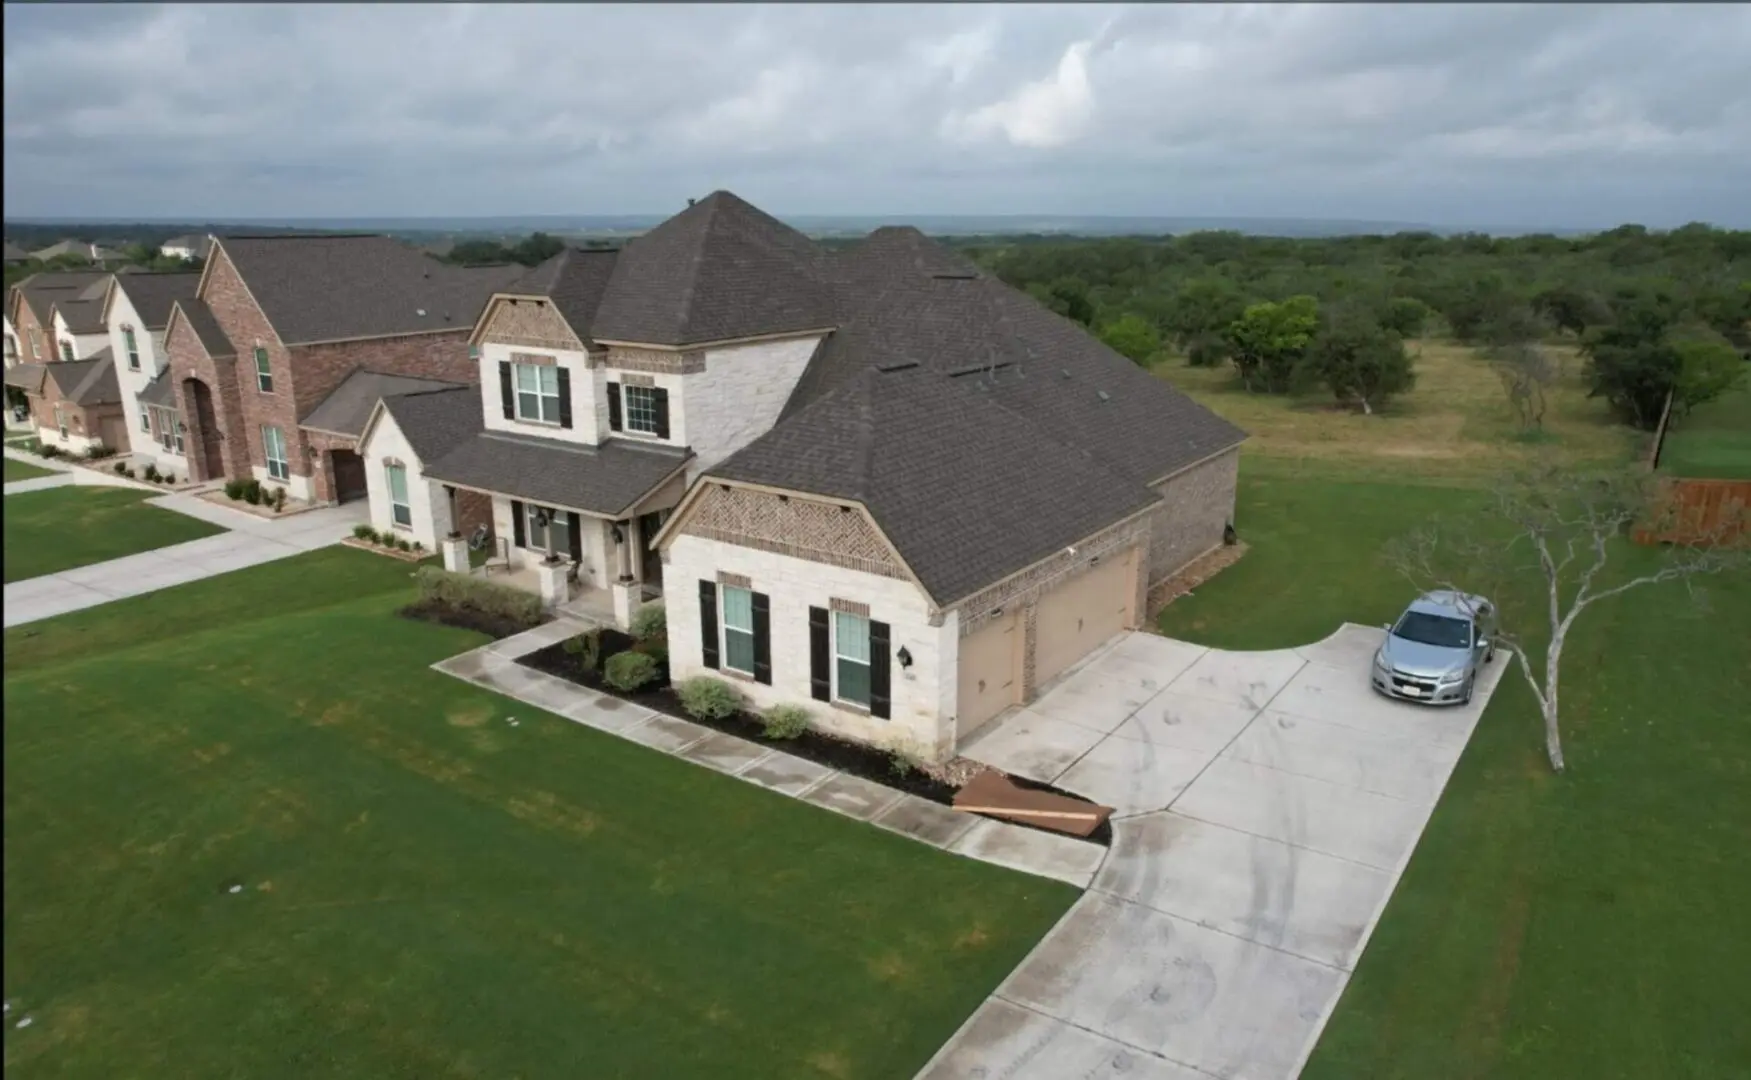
(77, 249)
(280, 355)
(136, 311)
(877, 481)
(54, 319)
(189, 247)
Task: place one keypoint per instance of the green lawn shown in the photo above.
(428, 891)
(1587, 926)
(1714, 441)
(61, 528)
(20, 470)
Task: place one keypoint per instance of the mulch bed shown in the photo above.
(843, 755)
(497, 627)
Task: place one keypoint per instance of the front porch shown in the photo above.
(582, 601)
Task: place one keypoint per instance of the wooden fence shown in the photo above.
(1699, 511)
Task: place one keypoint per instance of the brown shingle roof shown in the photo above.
(345, 287)
(606, 479)
(575, 280)
(87, 382)
(436, 421)
(40, 291)
(348, 406)
(82, 316)
(153, 295)
(207, 329)
(718, 270)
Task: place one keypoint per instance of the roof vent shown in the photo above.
(897, 365)
(421, 312)
(1065, 372)
(1103, 395)
(954, 275)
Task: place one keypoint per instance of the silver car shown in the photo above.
(1433, 652)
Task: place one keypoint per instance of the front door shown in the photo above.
(349, 476)
(650, 565)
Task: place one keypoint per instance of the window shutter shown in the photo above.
(507, 396)
(660, 406)
(820, 662)
(517, 523)
(613, 406)
(708, 622)
(574, 529)
(762, 639)
(565, 397)
(880, 682)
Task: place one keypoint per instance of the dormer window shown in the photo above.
(537, 393)
(133, 348)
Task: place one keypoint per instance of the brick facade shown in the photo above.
(86, 425)
(42, 351)
(1196, 505)
(214, 433)
(656, 361)
(803, 528)
(531, 324)
(301, 376)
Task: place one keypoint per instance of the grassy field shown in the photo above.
(1586, 926)
(427, 891)
(21, 470)
(1454, 427)
(1714, 442)
(65, 527)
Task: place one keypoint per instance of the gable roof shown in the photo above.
(718, 270)
(27, 377)
(348, 406)
(206, 328)
(153, 295)
(40, 291)
(315, 288)
(81, 248)
(12, 252)
(81, 316)
(575, 280)
(967, 490)
(608, 479)
(160, 391)
(91, 381)
(434, 422)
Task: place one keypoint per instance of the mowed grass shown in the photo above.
(1586, 926)
(62, 528)
(1455, 426)
(426, 890)
(22, 470)
(1714, 441)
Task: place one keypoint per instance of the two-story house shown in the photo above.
(877, 481)
(51, 318)
(279, 324)
(135, 311)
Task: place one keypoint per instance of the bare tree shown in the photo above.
(1527, 370)
(1541, 549)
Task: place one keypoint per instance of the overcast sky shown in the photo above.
(1482, 114)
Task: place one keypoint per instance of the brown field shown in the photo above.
(1454, 427)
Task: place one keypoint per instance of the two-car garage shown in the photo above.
(1073, 617)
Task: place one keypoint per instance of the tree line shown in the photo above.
(1654, 313)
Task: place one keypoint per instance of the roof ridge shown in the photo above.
(691, 281)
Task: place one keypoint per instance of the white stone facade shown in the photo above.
(923, 694)
(599, 567)
(83, 345)
(428, 506)
(151, 359)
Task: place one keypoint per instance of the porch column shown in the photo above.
(623, 530)
(450, 497)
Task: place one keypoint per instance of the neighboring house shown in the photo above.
(74, 404)
(77, 323)
(191, 246)
(135, 312)
(79, 249)
(15, 255)
(30, 310)
(278, 323)
(913, 496)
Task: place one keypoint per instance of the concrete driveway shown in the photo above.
(1267, 803)
(250, 542)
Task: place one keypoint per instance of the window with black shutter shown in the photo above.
(575, 535)
(613, 406)
(660, 412)
(820, 660)
(565, 397)
(507, 395)
(880, 686)
(708, 623)
(517, 523)
(762, 639)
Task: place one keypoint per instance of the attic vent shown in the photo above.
(421, 312)
(977, 369)
(954, 275)
(898, 365)
(1065, 372)
(1103, 395)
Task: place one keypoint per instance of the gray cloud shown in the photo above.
(1453, 114)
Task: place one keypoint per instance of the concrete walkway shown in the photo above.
(39, 483)
(1268, 803)
(251, 542)
(494, 667)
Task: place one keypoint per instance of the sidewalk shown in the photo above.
(39, 483)
(494, 667)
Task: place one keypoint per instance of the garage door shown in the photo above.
(990, 675)
(1081, 613)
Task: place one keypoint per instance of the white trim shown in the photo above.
(267, 450)
(724, 629)
(260, 355)
(406, 503)
(866, 660)
(626, 410)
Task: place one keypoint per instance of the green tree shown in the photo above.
(537, 249)
(1645, 355)
(1202, 307)
(1269, 340)
(1132, 336)
(1071, 299)
(1708, 366)
(1571, 309)
(1405, 316)
(1360, 361)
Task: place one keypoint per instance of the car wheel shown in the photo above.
(1466, 700)
(1491, 655)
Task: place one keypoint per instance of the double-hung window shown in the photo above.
(400, 510)
(146, 421)
(66, 349)
(176, 426)
(61, 420)
(738, 629)
(851, 658)
(273, 441)
(537, 392)
(264, 372)
(36, 343)
(559, 523)
(641, 408)
(133, 348)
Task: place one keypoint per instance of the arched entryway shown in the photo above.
(206, 443)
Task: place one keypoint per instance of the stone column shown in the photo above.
(551, 576)
(455, 554)
(455, 525)
(624, 530)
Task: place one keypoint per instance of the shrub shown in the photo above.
(49, 450)
(587, 647)
(252, 492)
(627, 671)
(167, 478)
(785, 721)
(708, 698)
(233, 488)
(279, 499)
(121, 468)
(402, 544)
(656, 648)
(900, 764)
(478, 594)
(650, 621)
(364, 532)
(98, 451)
(419, 548)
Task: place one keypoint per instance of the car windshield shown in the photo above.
(1440, 630)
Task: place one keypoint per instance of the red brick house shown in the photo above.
(279, 324)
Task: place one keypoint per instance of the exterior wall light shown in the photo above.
(904, 657)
